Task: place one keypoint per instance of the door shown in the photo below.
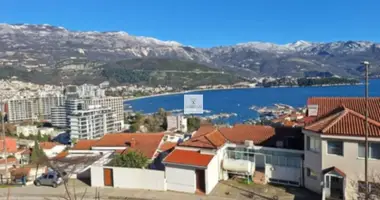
(44, 179)
(327, 189)
(260, 161)
(108, 177)
(200, 178)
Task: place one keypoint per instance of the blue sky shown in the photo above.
(206, 23)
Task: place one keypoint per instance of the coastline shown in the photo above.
(232, 88)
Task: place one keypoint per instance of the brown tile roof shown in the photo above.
(334, 169)
(167, 146)
(190, 158)
(206, 137)
(84, 144)
(9, 161)
(48, 145)
(62, 154)
(327, 104)
(239, 133)
(346, 123)
(345, 116)
(146, 143)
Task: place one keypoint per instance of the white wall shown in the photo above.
(212, 174)
(180, 179)
(54, 151)
(313, 160)
(130, 178)
(283, 173)
(139, 178)
(97, 176)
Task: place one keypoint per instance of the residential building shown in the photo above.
(116, 105)
(259, 153)
(21, 109)
(177, 123)
(59, 117)
(92, 123)
(26, 130)
(52, 149)
(334, 146)
(47, 101)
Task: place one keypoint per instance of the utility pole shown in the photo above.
(4, 139)
(366, 64)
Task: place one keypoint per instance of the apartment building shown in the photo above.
(21, 109)
(47, 101)
(59, 117)
(91, 123)
(116, 105)
(177, 123)
(335, 149)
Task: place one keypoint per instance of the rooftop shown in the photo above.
(345, 116)
(146, 143)
(189, 158)
(84, 144)
(206, 137)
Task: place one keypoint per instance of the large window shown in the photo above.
(335, 147)
(311, 174)
(313, 144)
(373, 150)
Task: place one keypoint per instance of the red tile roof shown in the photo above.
(11, 145)
(334, 169)
(167, 146)
(84, 144)
(345, 116)
(357, 104)
(239, 133)
(48, 145)
(146, 143)
(9, 161)
(206, 137)
(187, 157)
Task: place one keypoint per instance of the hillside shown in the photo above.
(51, 49)
(170, 72)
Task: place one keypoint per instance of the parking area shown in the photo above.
(237, 189)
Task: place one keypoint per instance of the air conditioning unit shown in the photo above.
(248, 143)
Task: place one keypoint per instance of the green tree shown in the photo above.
(37, 153)
(21, 136)
(39, 136)
(193, 123)
(132, 159)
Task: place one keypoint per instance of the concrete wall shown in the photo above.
(97, 176)
(350, 164)
(180, 179)
(54, 151)
(283, 173)
(212, 174)
(130, 178)
(313, 160)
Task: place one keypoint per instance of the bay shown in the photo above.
(240, 100)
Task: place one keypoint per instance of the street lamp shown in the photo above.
(366, 65)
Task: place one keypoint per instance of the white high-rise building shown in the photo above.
(46, 102)
(59, 116)
(21, 109)
(116, 105)
(91, 123)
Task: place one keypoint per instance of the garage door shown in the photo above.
(179, 179)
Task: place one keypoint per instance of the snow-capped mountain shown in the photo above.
(45, 46)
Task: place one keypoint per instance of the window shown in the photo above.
(373, 150)
(311, 174)
(335, 147)
(313, 144)
(50, 176)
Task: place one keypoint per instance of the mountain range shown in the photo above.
(52, 49)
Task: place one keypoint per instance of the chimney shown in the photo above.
(312, 110)
(133, 143)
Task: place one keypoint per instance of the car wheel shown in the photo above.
(54, 185)
(37, 183)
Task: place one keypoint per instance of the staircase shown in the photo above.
(259, 176)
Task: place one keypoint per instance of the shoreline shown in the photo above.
(232, 88)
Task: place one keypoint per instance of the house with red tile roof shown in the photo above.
(335, 147)
(52, 149)
(213, 154)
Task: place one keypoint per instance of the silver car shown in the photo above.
(49, 179)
